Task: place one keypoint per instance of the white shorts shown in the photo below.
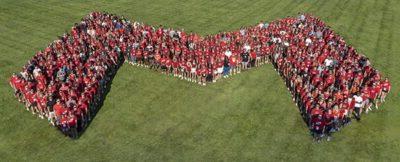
(193, 70)
(51, 114)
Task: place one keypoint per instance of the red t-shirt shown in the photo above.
(330, 80)
(318, 124)
(386, 85)
(59, 109)
(316, 111)
(372, 93)
(72, 121)
(64, 121)
(253, 55)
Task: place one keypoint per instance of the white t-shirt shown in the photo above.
(328, 62)
(228, 53)
(358, 100)
(286, 44)
(36, 72)
(242, 31)
(261, 25)
(247, 47)
(308, 41)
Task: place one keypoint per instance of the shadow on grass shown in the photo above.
(98, 103)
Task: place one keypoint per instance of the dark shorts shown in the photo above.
(318, 132)
(328, 129)
(372, 100)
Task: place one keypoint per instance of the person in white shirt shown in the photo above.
(228, 53)
(358, 106)
(247, 48)
(36, 72)
(261, 25)
(328, 62)
(308, 42)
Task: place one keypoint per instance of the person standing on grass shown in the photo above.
(226, 68)
(378, 90)
(64, 124)
(385, 89)
(329, 124)
(359, 102)
(72, 125)
(318, 127)
(245, 60)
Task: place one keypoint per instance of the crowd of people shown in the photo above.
(328, 79)
(66, 82)
(193, 58)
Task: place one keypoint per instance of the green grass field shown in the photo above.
(152, 117)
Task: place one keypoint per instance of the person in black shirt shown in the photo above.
(245, 60)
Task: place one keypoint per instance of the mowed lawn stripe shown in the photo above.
(390, 65)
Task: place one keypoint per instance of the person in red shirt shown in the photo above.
(329, 124)
(378, 90)
(204, 72)
(329, 80)
(232, 64)
(372, 98)
(175, 65)
(59, 110)
(63, 124)
(314, 113)
(366, 99)
(168, 64)
(253, 57)
(83, 107)
(318, 127)
(30, 100)
(17, 84)
(385, 89)
(41, 105)
(72, 125)
(350, 104)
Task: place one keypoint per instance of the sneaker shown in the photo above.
(328, 139)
